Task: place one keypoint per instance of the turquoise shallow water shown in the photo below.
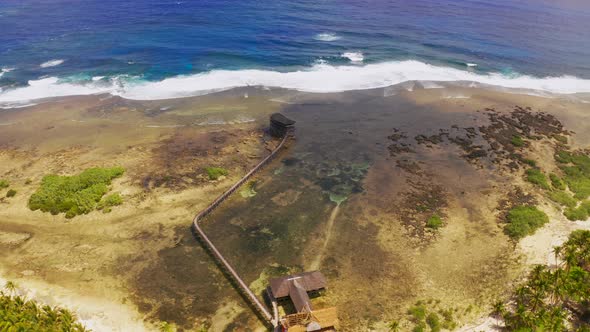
(110, 45)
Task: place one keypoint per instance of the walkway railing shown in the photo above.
(242, 285)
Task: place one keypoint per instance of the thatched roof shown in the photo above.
(281, 120)
(309, 281)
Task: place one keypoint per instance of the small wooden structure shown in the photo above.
(296, 288)
(280, 125)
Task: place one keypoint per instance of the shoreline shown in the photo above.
(319, 78)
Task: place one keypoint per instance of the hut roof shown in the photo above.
(310, 281)
(281, 119)
(299, 297)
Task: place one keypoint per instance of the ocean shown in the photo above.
(164, 49)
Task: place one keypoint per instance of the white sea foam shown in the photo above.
(471, 64)
(327, 37)
(4, 71)
(318, 78)
(354, 57)
(52, 63)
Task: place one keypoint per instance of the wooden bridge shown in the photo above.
(251, 297)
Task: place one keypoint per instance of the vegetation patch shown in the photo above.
(434, 222)
(574, 214)
(535, 176)
(563, 198)
(215, 173)
(556, 182)
(108, 202)
(11, 193)
(517, 141)
(554, 299)
(524, 220)
(73, 195)
(428, 316)
(19, 314)
(4, 184)
(576, 167)
(530, 162)
(249, 189)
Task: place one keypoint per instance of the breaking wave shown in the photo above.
(318, 78)
(52, 63)
(327, 37)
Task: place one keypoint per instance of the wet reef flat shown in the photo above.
(397, 196)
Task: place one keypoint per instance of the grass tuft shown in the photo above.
(4, 184)
(535, 176)
(556, 182)
(215, 173)
(563, 198)
(530, 162)
(434, 222)
(524, 220)
(574, 214)
(517, 141)
(11, 193)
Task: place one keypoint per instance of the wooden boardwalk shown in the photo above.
(253, 299)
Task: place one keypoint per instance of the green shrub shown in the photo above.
(524, 220)
(419, 327)
(418, 313)
(434, 222)
(109, 201)
(576, 169)
(19, 314)
(215, 172)
(535, 176)
(73, 195)
(517, 141)
(574, 214)
(4, 184)
(11, 193)
(434, 322)
(563, 198)
(556, 182)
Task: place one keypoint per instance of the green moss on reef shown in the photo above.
(19, 314)
(73, 195)
(524, 220)
(215, 173)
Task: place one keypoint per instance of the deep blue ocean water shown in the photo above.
(123, 44)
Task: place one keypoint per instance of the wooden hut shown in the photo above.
(296, 288)
(280, 125)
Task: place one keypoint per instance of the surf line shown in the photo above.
(222, 262)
